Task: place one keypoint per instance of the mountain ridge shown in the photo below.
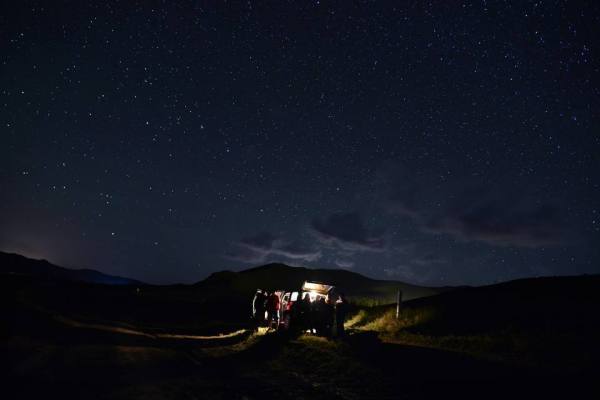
(16, 264)
(274, 276)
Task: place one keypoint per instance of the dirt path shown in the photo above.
(85, 360)
(137, 332)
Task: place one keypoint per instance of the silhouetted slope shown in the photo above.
(281, 276)
(546, 304)
(19, 265)
(550, 323)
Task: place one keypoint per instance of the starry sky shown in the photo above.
(439, 143)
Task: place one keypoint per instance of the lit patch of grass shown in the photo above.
(386, 323)
(363, 301)
(228, 350)
(405, 330)
(318, 341)
(356, 319)
(383, 319)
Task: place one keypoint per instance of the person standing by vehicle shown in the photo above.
(329, 322)
(293, 313)
(258, 308)
(273, 306)
(321, 316)
(313, 313)
(304, 305)
(340, 314)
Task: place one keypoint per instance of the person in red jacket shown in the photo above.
(273, 306)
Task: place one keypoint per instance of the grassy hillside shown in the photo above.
(551, 322)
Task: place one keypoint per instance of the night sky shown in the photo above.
(432, 142)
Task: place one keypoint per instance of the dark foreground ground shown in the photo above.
(58, 349)
(88, 362)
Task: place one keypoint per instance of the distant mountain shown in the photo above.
(234, 284)
(19, 265)
(281, 276)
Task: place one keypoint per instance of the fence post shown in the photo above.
(398, 303)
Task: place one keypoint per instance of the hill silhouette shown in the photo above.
(542, 304)
(281, 276)
(16, 264)
(243, 283)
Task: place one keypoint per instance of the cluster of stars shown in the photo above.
(163, 135)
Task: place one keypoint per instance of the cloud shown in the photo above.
(501, 213)
(260, 242)
(348, 232)
(502, 224)
(344, 264)
(428, 260)
(245, 255)
(404, 272)
(265, 246)
(398, 190)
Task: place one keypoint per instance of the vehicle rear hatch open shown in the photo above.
(315, 287)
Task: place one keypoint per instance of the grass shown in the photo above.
(420, 326)
(402, 330)
(384, 319)
(366, 301)
(328, 366)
